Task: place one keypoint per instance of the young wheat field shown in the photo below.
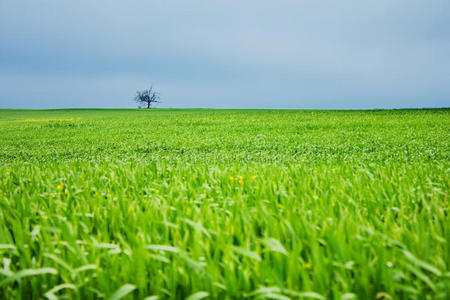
(224, 204)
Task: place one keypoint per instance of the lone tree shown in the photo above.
(147, 97)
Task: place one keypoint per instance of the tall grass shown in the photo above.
(224, 204)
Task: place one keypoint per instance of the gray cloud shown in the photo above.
(293, 54)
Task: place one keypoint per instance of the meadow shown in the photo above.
(224, 204)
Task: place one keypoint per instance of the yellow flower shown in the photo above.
(231, 178)
(241, 180)
(60, 186)
(66, 192)
(253, 177)
(307, 265)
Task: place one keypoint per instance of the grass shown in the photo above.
(265, 204)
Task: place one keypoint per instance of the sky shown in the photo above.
(311, 54)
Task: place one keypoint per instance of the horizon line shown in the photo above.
(209, 108)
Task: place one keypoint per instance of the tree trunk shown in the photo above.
(148, 104)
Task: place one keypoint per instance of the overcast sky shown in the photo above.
(225, 53)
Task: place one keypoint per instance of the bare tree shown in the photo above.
(147, 97)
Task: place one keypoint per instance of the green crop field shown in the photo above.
(224, 204)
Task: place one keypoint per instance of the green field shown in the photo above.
(227, 204)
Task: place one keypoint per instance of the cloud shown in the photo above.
(293, 54)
